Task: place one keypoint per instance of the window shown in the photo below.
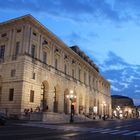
(33, 76)
(34, 34)
(31, 96)
(65, 69)
(72, 72)
(56, 63)
(79, 75)
(45, 42)
(11, 94)
(85, 76)
(4, 35)
(18, 30)
(2, 50)
(17, 48)
(89, 81)
(44, 57)
(13, 73)
(33, 51)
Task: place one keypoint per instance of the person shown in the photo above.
(31, 110)
(104, 117)
(47, 107)
(37, 109)
(26, 111)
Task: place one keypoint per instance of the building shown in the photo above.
(38, 70)
(123, 107)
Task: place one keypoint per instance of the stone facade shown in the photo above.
(37, 69)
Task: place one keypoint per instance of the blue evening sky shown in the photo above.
(98, 27)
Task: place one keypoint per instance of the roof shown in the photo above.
(120, 97)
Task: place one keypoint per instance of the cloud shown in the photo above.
(115, 67)
(136, 101)
(115, 88)
(114, 59)
(76, 9)
(130, 9)
(79, 10)
(124, 77)
(124, 84)
(137, 91)
(113, 62)
(75, 38)
(112, 81)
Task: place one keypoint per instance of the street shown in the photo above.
(101, 130)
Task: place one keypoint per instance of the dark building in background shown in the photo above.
(123, 107)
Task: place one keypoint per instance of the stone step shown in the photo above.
(51, 117)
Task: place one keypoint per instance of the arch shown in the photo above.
(44, 100)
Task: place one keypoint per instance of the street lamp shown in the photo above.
(118, 111)
(71, 97)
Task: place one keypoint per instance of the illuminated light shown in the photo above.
(121, 115)
(67, 96)
(95, 109)
(71, 91)
(75, 96)
(71, 96)
(126, 109)
(120, 111)
(129, 110)
(114, 111)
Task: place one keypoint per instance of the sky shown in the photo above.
(98, 27)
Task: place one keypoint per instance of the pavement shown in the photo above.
(109, 130)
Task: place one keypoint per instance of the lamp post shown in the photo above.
(71, 97)
(118, 111)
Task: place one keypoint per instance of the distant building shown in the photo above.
(38, 71)
(123, 107)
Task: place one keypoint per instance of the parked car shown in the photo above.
(3, 118)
